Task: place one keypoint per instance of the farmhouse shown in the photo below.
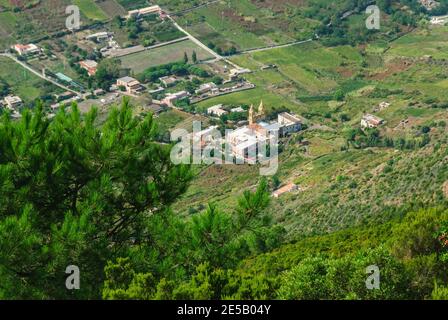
(216, 110)
(13, 102)
(173, 97)
(27, 49)
(371, 121)
(90, 66)
(285, 189)
(144, 11)
(131, 85)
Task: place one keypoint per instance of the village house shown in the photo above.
(173, 97)
(217, 111)
(288, 123)
(371, 121)
(168, 81)
(100, 36)
(131, 85)
(90, 66)
(27, 49)
(285, 189)
(13, 102)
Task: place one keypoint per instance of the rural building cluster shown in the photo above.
(245, 141)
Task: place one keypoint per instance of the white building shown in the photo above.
(288, 123)
(26, 49)
(216, 111)
(143, 12)
(100, 36)
(439, 20)
(245, 142)
(13, 102)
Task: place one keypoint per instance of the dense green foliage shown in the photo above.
(74, 193)
(181, 68)
(333, 266)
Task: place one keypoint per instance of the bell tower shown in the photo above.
(261, 113)
(251, 115)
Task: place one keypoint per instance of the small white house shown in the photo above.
(371, 121)
(216, 110)
(13, 102)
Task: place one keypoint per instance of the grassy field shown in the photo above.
(139, 62)
(243, 24)
(423, 42)
(22, 82)
(7, 24)
(90, 9)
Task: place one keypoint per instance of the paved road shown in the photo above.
(40, 75)
(163, 44)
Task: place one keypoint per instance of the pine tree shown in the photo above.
(75, 193)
